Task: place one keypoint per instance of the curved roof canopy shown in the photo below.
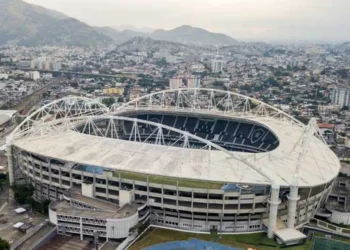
(58, 138)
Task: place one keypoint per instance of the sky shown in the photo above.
(287, 20)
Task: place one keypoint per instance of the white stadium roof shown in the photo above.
(317, 166)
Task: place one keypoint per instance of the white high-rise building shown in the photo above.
(217, 65)
(175, 83)
(44, 63)
(34, 75)
(193, 82)
(171, 59)
(341, 96)
(163, 53)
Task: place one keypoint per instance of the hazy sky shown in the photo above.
(242, 19)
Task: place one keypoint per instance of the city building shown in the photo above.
(186, 159)
(136, 59)
(171, 59)
(324, 109)
(337, 208)
(4, 76)
(34, 75)
(328, 132)
(43, 63)
(7, 119)
(114, 91)
(163, 53)
(341, 97)
(193, 82)
(217, 65)
(175, 83)
(78, 212)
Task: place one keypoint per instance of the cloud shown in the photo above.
(257, 19)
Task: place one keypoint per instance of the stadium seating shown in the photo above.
(232, 135)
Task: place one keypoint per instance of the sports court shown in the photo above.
(192, 244)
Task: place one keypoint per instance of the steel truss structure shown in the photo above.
(300, 160)
(202, 99)
(114, 124)
(84, 115)
(70, 106)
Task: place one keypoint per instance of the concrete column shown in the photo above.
(81, 228)
(147, 189)
(41, 173)
(253, 206)
(192, 197)
(249, 229)
(235, 222)
(177, 195)
(162, 198)
(274, 202)
(50, 173)
(10, 164)
(60, 177)
(293, 198)
(107, 187)
(70, 177)
(220, 227)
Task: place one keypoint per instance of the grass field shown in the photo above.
(157, 235)
(168, 180)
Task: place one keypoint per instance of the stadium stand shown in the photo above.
(232, 135)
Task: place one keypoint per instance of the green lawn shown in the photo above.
(168, 180)
(157, 235)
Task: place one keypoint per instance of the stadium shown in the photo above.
(189, 159)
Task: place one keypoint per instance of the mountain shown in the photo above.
(191, 35)
(119, 36)
(148, 44)
(133, 28)
(31, 25)
(184, 34)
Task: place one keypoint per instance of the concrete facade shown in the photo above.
(173, 206)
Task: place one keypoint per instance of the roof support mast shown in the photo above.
(293, 196)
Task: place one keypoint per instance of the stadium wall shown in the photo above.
(172, 206)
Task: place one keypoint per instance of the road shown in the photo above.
(24, 107)
(72, 73)
(29, 101)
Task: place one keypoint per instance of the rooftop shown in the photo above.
(63, 207)
(289, 234)
(319, 165)
(99, 204)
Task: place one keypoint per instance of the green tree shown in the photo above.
(4, 245)
(162, 62)
(108, 101)
(272, 81)
(74, 85)
(218, 84)
(23, 193)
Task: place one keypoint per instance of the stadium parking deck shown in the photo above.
(64, 207)
(101, 204)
